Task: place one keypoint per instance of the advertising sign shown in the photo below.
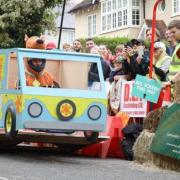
(133, 106)
(167, 138)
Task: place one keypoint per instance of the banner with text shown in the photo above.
(167, 138)
(133, 106)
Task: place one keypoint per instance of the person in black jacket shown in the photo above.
(119, 70)
(93, 74)
(137, 58)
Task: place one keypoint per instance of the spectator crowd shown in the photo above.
(134, 57)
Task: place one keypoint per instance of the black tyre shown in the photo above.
(91, 136)
(10, 122)
(66, 110)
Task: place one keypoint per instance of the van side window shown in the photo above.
(13, 72)
(57, 73)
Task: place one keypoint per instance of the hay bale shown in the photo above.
(141, 147)
(177, 92)
(152, 120)
(142, 153)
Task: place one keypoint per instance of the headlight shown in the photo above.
(94, 112)
(35, 109)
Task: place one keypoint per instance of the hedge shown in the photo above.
(111, 43)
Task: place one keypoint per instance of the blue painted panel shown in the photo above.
(47, 117)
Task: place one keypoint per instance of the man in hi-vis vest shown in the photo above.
(174, 70)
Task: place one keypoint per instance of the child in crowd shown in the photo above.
(119, 50)
(116, 77)
(119, 70)
(66, 47)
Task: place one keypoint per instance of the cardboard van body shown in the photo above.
(73, 106)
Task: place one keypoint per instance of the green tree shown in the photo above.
(20, 17)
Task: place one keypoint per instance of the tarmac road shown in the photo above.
(45, 165)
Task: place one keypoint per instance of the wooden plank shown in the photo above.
(48, 138)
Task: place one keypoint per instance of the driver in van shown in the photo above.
(37, 76)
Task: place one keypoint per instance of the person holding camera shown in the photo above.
(137, 58)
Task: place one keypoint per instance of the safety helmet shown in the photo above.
(38, 68)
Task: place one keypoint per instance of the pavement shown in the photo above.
(51, 165)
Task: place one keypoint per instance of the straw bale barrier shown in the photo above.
(141, 148)
(142, 153)
(177, 92)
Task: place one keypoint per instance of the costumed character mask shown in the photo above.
(35, 65)
(35, 42)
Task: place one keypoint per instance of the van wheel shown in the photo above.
(91, 136)
(10, 122)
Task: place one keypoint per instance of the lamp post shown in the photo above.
(152, 39)
(61, 24)
(152, 44)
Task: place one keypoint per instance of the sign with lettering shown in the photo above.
(146, 88)
(167, 138)
(133, 106)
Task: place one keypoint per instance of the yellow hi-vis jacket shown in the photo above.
(175, 63)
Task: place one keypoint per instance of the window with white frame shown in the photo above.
(70, 37)
(135, 3)
(135, 17)
(125, 17)
(91, 25)
(135, 12)
(109, 6)
(104, 7)
(104, 23)
(116, 13)
(119, 2)
(114, 4)
(176, 7)
(114, 20)
(124, 3)
(108, 21)
(120, 19)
